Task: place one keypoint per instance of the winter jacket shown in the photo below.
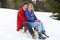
(21, 18)
(30, 16)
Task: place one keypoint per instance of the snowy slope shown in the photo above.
(8, 26)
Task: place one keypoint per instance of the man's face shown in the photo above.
(25, 6)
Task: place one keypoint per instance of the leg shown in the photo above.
(40, 28)
(43, 32)
(37, 24)
(28, 26)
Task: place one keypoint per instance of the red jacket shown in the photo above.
(20, 18)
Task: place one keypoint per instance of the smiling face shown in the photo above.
(30, 7)
(25, 6)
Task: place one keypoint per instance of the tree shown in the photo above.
(18, 3)
(54, 6)
(3, 3)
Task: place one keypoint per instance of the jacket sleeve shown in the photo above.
(21, 16)
(35, 18)
(28, 16)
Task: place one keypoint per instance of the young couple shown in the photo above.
(26, 18)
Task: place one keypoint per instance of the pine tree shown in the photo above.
(3, 3)
(54, 6)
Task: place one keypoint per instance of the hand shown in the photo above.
(37, 20)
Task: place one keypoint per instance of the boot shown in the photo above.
(41, 37)
(43, 32)
(33, 36)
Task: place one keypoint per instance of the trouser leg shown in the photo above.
(40, 27)
(28, 26)
(37, 24)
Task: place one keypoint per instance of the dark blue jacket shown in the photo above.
(29, 17)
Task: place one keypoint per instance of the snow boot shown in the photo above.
(43, 32)
(41, 37)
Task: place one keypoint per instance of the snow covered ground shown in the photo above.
(8, 26)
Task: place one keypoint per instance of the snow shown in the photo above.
(8, 18)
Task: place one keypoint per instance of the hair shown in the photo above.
(25, 3)
(30, 4)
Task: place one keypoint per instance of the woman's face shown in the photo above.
(30, 7)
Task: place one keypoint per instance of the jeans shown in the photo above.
(36, 24)
(28, 26)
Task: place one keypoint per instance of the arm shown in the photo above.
(21, 15)
(35, 18)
